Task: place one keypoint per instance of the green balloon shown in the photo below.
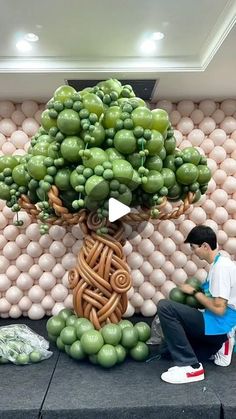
(70, 148)
(122, 171)
(96, 187)
(125, 141)
(63, 93)
(68, 122)
(187, 173)
(140, 352)
(154, 182)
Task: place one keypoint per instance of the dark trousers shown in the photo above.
(184, 332)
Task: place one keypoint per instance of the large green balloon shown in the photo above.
(68, 122)
(155, 182)
(97, 188)
(122, 171)
(187, 173)
(46, 121)
(160, 120)
(63, 93)
(125, 141)
(70, 148)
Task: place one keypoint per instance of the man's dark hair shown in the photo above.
(202, 234)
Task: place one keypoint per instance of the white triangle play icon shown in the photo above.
(116, 209)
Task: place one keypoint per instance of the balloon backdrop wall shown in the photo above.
(34, 268)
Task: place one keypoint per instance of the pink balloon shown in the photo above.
(11, 251)
(190, 268)
(228, 106)
(30, 126)
(220, 215)
(185, 125)
(157, 277)
(5, 283)
(7, 212)
(179, 259)
(207, 107)
(24, 281)
(218, 136)
(207, 145)
(185, 107)
(229, 145)
(198, 215)
(230, 228)
(219, 197)
(157, 259)
(212, 165)
(231, 206)
(168, 267)
(166, 228)
(219, 176)
(228, 125)
(45, 241)
(197, 116)
(37, 116)
(12, 272)
(47, 262)
(3, 241)
(218, 116)
(179, 276)
(175, 117)
(167, 247)
(22, 241)
(184, 144)
(222, 236)
(164, 104)
(24, 262)
(29, 107)
(36, 294)
(6, 108)
(167, 287)
(14, 294)
(57, 249)
(230, 185)
(196, 137)
(57, 232)
(230, 245)
(68, 240)
(35, 271)
(207, 125)
(2, 140)
(229, 166)
(34, 249)
(4, 263)
(178, 136)
(58, 271)
(19, 139)
(11, 232)
(7, 127)
(8, 148)
(18, 117)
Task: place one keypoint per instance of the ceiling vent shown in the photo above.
(142, 88)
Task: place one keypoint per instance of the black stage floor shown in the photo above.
(63, 388)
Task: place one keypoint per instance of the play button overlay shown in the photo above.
(116, 210)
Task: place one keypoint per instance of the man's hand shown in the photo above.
(187, 289)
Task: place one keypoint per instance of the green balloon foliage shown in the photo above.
(99, 143)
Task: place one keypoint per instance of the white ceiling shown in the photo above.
(97, 39)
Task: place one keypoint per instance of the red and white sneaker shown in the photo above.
(182, 375)
(224, 355)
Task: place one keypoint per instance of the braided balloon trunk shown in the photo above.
(102, 278)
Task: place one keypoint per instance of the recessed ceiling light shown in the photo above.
(31, 37)
(23, 46)
(148, 46)
(157, 36)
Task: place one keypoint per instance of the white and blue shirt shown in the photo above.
(221, 282)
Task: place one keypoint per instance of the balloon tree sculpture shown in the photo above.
(100, 143)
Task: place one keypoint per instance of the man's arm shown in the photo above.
(216, 304)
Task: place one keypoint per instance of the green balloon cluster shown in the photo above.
(107, 347)
(180, 297)
(102, 142)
